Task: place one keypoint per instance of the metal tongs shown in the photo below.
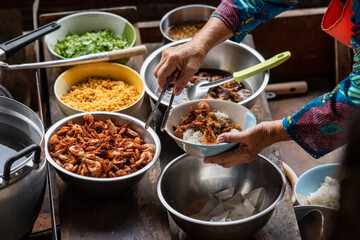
(166, 114)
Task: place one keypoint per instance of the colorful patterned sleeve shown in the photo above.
(320, 127)
(242, 16)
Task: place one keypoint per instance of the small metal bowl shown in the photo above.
(105, 186)
(182, 14)
(186, 182)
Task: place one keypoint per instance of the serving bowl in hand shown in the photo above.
(91, 21)
(183, 14)
(186, 182)
(237, 113)
(104, 186)
(311, 180)
(227, 56)
(115, 71)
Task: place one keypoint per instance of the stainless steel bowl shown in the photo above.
(182, 14)
(228, 56)
(105, 186)
(186, 181)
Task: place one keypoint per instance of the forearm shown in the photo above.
(214, 32)
(274, 132)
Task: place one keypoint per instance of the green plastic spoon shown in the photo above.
(200, 89)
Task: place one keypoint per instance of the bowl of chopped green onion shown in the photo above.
(90, 32)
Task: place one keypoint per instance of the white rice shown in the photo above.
(327, 195)
(219, 114)
(197, 137)
(194, 137)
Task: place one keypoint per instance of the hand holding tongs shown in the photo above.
(166, 114)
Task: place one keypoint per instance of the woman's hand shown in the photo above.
(187, 58)
(251, 142)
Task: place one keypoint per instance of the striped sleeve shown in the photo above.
(242, 16)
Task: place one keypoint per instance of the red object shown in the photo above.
(336, 21)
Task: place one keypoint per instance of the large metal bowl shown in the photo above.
(186, 181)
(228, 56)
(105, 186)
(182, 14)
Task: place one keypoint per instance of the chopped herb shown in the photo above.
(74, 45)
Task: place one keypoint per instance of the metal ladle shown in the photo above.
(90, 58)
(200, 89)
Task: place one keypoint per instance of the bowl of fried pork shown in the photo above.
(195, 125)
(101, 153)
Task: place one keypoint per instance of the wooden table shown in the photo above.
(139, 214)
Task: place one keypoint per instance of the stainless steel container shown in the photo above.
(105, 186)
(182, 14)
(186, 182)
(228, 56)
(22, 168)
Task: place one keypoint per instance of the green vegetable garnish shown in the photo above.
(74, 45)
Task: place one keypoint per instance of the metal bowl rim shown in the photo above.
(166, 16)
(159, 50)
(118, 111)
(110, 114)
(87, 13)
(201, 222)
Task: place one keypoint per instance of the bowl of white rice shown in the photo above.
(319, 186)
(192, 140)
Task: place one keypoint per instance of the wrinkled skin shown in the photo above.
(251, 142)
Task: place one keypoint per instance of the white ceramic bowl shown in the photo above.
(311, 180)
(238, 114)
(103, 69)
(83, 22)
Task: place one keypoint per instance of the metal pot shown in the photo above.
(22, 168)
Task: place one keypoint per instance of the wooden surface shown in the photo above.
(298, 31)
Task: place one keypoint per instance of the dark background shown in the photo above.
(148, 10)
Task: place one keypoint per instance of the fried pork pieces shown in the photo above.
(99, 149)
(205, 121)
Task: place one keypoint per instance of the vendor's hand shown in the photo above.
(251, 142)
(187, 58)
